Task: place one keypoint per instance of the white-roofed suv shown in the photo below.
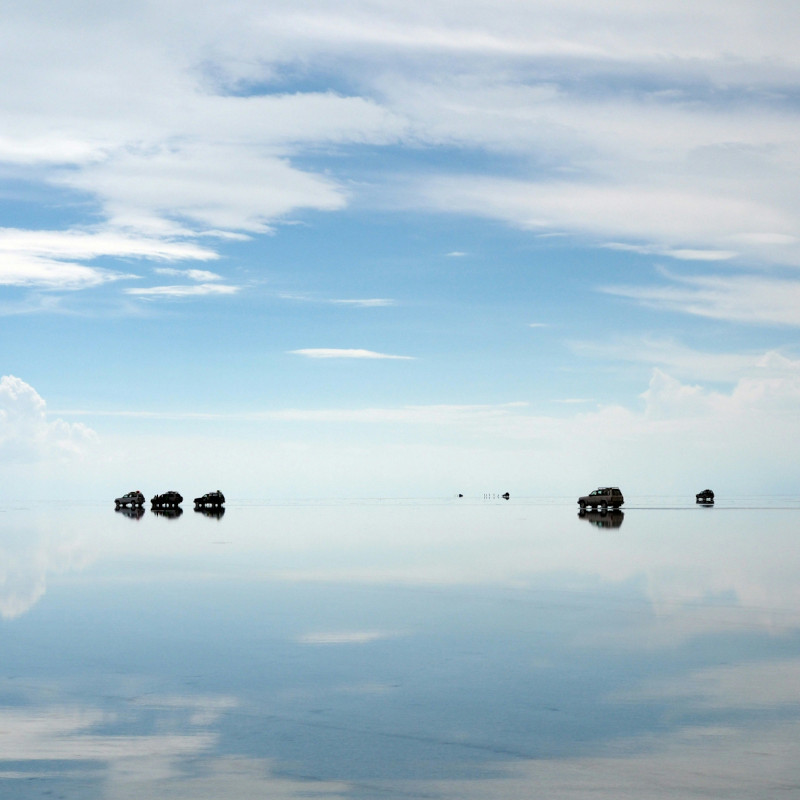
(605, 497)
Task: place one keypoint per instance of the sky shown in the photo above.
(385, 249)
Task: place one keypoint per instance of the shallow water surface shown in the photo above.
(472, 648)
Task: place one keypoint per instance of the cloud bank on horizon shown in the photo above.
(207, 181)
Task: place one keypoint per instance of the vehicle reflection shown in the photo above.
(134, 512)
(211, 511)
(603, 519)
(170, 513)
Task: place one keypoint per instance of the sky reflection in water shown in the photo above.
(401, 649)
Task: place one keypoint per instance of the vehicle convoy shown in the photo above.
(167, 500)
(604, 498)
(130, 499)
(213, 499)
(706, 496)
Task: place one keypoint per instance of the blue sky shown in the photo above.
(399, 249)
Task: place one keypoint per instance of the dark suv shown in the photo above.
(606, 497)
(167, 500)
(214, 499)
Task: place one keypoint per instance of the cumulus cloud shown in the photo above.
(330, 352)
(26, 432)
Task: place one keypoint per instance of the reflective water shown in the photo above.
(402, 649)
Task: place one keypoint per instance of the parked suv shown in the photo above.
(210, 499)
(130, 499)
(607, 497)
(167, 500)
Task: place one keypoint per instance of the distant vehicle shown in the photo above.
(214, 499)
(706, 497)
(130, 499)
(607, 497)
(167, 500)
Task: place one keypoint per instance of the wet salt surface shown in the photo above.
(456, 649)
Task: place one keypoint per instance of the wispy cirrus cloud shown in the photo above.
(332, 352)
(191, 274)
(356, 302)
(190, 290)
(680, 254)
(52, 259)
(367, 302)
(697, 163)
(667, 214)
(50, 273)
(82, 244)
(757, 300)
(681, 360)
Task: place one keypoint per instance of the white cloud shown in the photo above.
(192, 274)
(93, 244)
(26, 432)
(676, 358)
(759, 299)
(646, 128)
(48, 273)
(680, 254)
(198, 290)
(370, 302)
(357, 302)
(45, 259)
(330, 352)
(668, 213)
(209, 185)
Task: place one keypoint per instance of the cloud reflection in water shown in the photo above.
(406, 651)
